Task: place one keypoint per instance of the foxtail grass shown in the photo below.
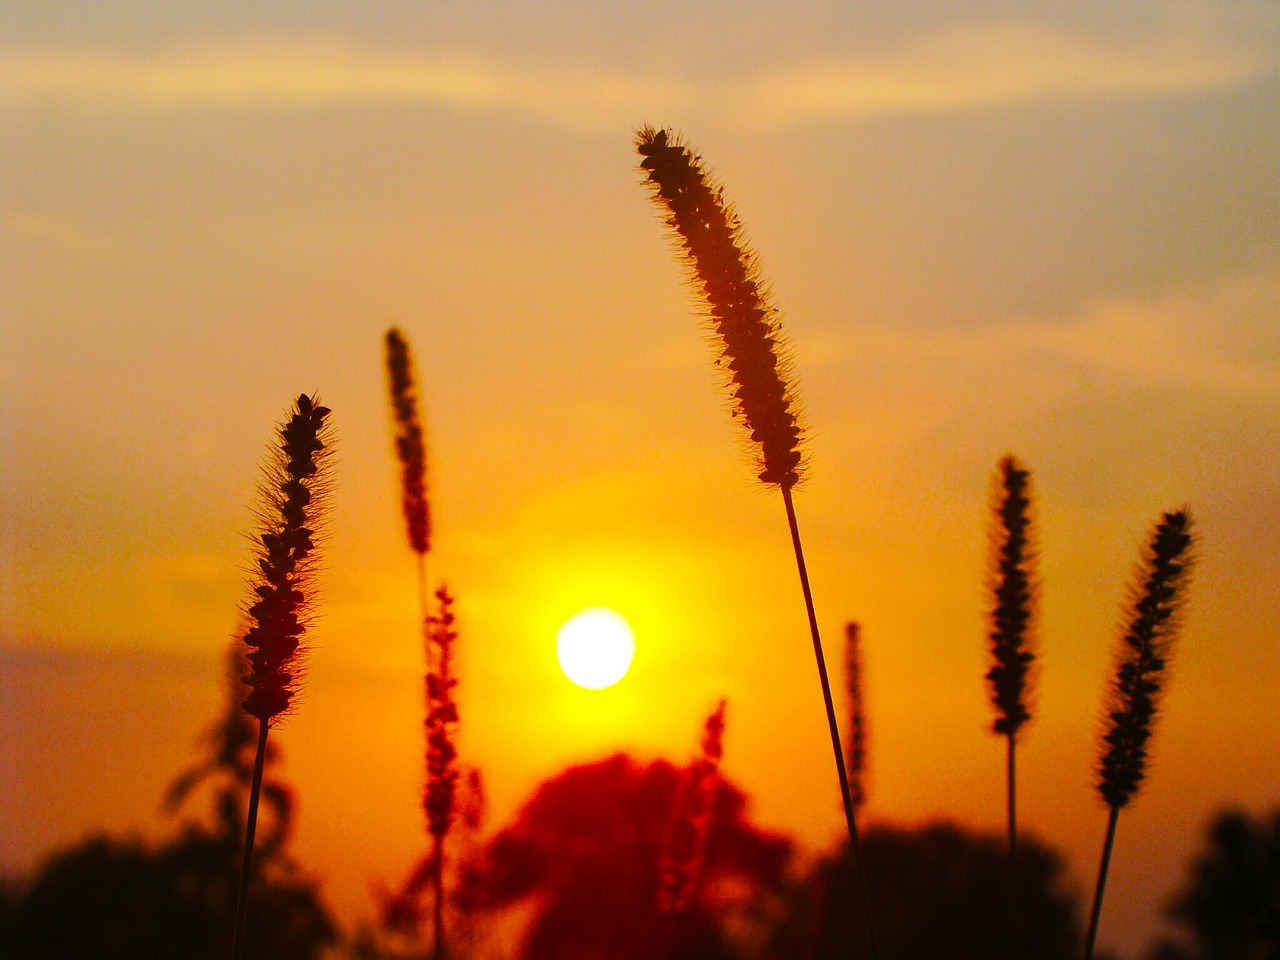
(292, 496)
(440, 792)
(686, 846)
(1012, 585)
(411, 452)
(856, 749)
(753, 356)
(1157, 594)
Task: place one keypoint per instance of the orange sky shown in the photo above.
(1051, 232)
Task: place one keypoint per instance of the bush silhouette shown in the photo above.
(937, 896)
(585, 852)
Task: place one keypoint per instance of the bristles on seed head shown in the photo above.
(1157, 595)
(1012, 584)
(292, 495)
(723, 269)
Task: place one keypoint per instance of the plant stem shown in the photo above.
(850, 820)
(250, 828)
(1011, 880)
(437, 880)
(1096, 913)
(1011, 791)
(424, 597)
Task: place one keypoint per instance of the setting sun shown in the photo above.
(595, 648)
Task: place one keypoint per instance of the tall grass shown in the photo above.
(291, 500)
(1012, 583)
(411, 452)
(438, 633)
(1157, 593)
(753, 356)
(1012, 586)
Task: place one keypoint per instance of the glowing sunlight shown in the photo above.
(595, 648)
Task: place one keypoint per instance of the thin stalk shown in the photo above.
(250, 828)
(1011, 876)
(437, 869)
(1096, 913)
(424, 596)
(1011, 780)
(437, 916)
(832, 724)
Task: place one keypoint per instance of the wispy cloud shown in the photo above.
(312, 72)
(992, 64)
(46, 232)
(1004, 63)
(1216, 340)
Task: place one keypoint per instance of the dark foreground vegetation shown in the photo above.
(583, 861)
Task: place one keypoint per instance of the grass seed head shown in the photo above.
(1157, 594)
(724, 271)
(292, 497)
(1012, 583)
(441, 718)
(410, 444)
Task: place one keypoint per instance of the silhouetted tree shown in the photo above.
(584, 855)
(111, 898)
(1226, 907)
(936, 892)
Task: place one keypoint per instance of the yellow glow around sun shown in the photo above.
(595, 648)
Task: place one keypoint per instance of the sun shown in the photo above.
(595, 648)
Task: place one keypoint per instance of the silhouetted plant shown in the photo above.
(226, 769)
(686, 845)
(753, 356)
(583, 856)
(1229, 904)
(934, 898)
(120, 899)
(411, 452)
(1011, 582)
(856, 749)
(442, 773)
(292, 495)
(403, 911)
(1157, 594)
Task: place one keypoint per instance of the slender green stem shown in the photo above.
(250, 828)
(850, 820)
(1096, 913)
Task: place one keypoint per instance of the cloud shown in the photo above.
(994, 64)
(312, 72)
(46, 232)
(1217, 340)
(1007, 63)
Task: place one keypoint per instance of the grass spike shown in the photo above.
(753, 355)
(292, 496)
(1153, 616)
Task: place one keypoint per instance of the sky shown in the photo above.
(1051, 229)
